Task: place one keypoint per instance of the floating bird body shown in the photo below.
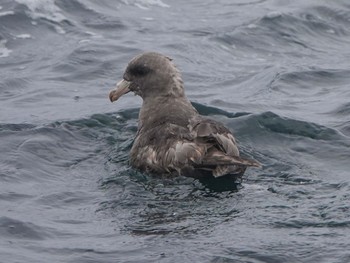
(172, 137)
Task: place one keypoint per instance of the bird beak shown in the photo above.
(121, 89)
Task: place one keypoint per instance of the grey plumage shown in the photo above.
(172, 138)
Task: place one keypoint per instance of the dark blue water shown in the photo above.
(276, 72)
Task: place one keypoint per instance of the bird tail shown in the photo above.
(226, 164)
(219, 158)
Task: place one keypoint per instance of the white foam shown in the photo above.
(92, 34)
(6, 13)
(4, 51)
(159, 3)
(225, 47)
(146, 4)
(274, 14)
(148, 18)
(252, 26)
(60, 30)
(141, 6)
(24, 36)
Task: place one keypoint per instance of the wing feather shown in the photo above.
(205, 145)
(222, 147)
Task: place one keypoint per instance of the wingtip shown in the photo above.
(251, 162)
(258, 165)
(255, 164)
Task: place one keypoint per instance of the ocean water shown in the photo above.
(276, 72)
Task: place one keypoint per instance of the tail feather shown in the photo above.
(219, 158)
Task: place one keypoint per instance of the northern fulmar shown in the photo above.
(172, 137)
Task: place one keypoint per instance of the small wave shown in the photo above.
(313, 21)
(85, 62)
(312, 223)
(313, 79)
(12, 228)
(8, 84)
(345, 128)
(64, 199)
(45, 9)
(343, 110)
(16, 127)
(295, 32)
(337, 16)
(55, 146)
(275, 123)
(93, 16)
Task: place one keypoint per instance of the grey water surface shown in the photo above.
(276, 72)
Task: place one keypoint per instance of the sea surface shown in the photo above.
(276, 72)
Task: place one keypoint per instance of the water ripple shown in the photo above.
(275, 72)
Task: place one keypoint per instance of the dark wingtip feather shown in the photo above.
(254, 163)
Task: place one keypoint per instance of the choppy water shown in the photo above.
(276, 72)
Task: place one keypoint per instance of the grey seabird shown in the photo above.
(172, 137)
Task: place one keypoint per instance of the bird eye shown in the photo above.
(139, 70)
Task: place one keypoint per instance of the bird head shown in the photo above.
(150, 75)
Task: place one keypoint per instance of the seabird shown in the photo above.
(172, 137)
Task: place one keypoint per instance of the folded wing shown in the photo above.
(222, 153)
(207, 146)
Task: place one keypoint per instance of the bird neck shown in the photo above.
(163, 108)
